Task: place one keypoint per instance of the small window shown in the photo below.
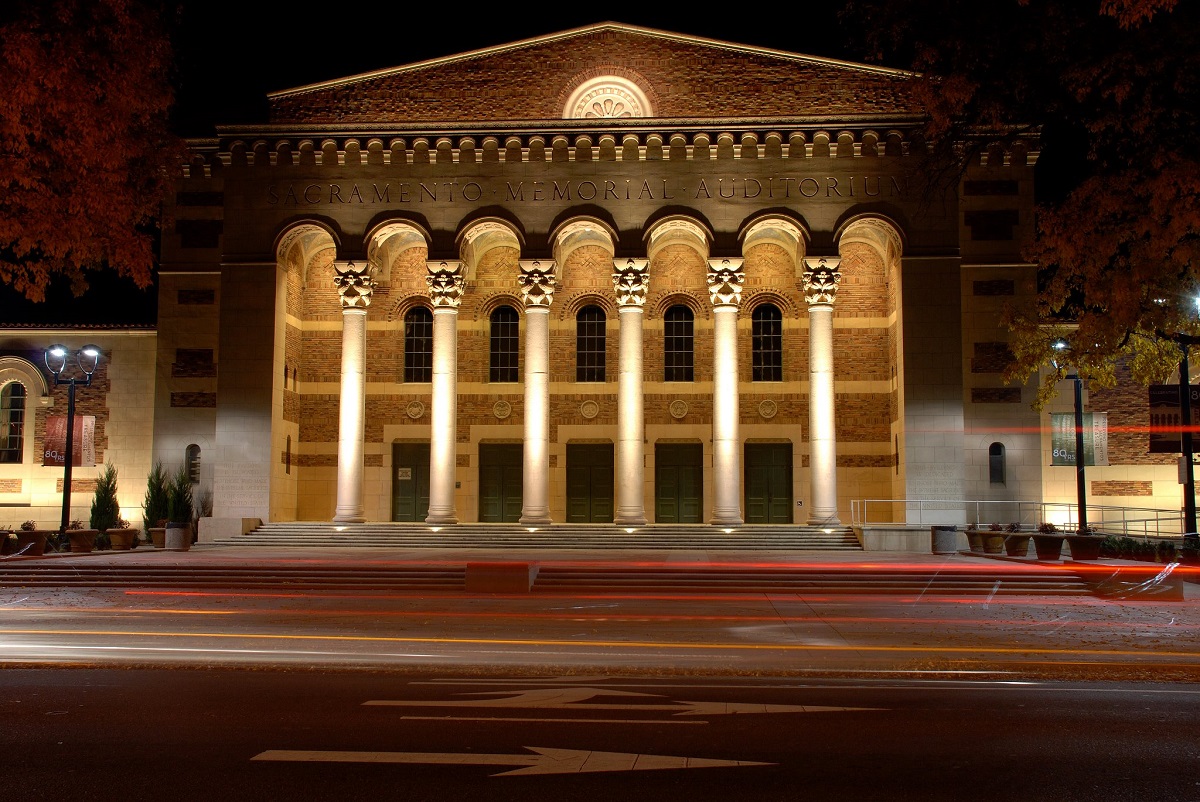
(12, 423)
(996, 464)
(418, 345)
(678, 345)
(505, 345)
(766, 337)
(192, 459)
(589, 344)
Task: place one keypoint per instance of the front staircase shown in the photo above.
(589, 537)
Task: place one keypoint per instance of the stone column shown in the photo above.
(537, 291)
(821, 279)
(354, 284)
(631, 282)
(446, 283)
(725, 280)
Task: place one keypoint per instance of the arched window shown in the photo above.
(766, 341)
(996, 463)
(191, 458)
(505, 345)
(678, 344)
(418, 345)
(589, 344)
(12, 423)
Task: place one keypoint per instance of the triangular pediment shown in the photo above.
(605, 70)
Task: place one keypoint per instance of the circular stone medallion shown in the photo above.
(589, 409)
(502, 409)
(678, 408)
(768, 409)
(415, 409)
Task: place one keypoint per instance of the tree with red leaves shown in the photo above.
(1114, 87)
(86, 149)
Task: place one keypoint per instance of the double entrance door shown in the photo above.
(410, 481)
(501, 476)
(678, 483)
(590, 482)
(768, 483)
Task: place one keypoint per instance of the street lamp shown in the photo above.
(88, 358)
(1080, 482)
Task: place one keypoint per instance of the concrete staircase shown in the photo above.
(373, 576)
(590, 537)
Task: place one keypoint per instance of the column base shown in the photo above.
(535, 519)
(831, 520)
(441, 518)
(349, 518)
(723, 521)
(630, 520)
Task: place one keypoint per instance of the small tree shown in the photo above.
(179, 496)
(154, 507)
(105, 509)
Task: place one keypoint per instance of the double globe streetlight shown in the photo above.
(1080, 482)
(88, 359)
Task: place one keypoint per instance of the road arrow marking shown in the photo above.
(544, 761)
(576, 699)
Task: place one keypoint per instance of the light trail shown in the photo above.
(628, 644)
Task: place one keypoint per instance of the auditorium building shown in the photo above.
(611, 275)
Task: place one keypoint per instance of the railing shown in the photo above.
(1137, 522)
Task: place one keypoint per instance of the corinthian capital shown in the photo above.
(821, 279)
(446, 283)
(631, 282)
(725, 280)
(537, 283)
(354, 284)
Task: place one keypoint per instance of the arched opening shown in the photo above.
(996, 464)
(12, 423)
(766, 343)
(590, 344)
(679, 349)
(418, 345)
(505, 345)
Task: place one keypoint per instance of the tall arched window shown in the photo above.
(678, 344)
(766, 340)
(505, 345)
(418, 345)
(996, 464)
(589, 344)
(191, 458)
(12, 423)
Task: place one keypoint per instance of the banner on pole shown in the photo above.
(1095, 438)
(83, 442)
(1165, 417)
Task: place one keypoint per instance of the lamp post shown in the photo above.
(1185, 440)
(88, 358)
(1080, 481)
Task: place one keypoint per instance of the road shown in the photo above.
(233, 734)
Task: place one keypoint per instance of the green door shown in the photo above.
(768, 483)
(410, 481)
(589, 482)
(500, 482)
(678, 483)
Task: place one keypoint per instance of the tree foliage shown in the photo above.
(85, 142)
(1115, 87)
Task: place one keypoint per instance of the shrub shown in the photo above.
(1047, 528)
(995, 527)
(179, 496)
(154, 506)
(1013, 528)
(28, 526)
(105, 509)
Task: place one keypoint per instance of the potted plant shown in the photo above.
(8, 540)
(31, 541)
(975, 538)
(1085, 544)
(1048, 542)
(82, 539)
(1016, 542)
(122, 536)
(179, 511)
(105, 508)
(154, 506)
(993, 539)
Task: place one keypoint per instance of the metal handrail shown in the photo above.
(1140, 522)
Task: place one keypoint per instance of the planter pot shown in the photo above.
(993, 542)
(31, 543)
(158, 536)
(122, 539)
(944, 539)
(1084, 547)
(1017, 545)
(178, 537)
(975, 540)
(82, 540)
(1048, 547)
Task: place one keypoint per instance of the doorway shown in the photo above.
(589, 482)
(678, 483)
(768, 483)
(500, 478)
(410, 481)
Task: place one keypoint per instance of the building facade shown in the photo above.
(607, 275)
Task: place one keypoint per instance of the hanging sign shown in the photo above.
(83, 441)
(1095, 438)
